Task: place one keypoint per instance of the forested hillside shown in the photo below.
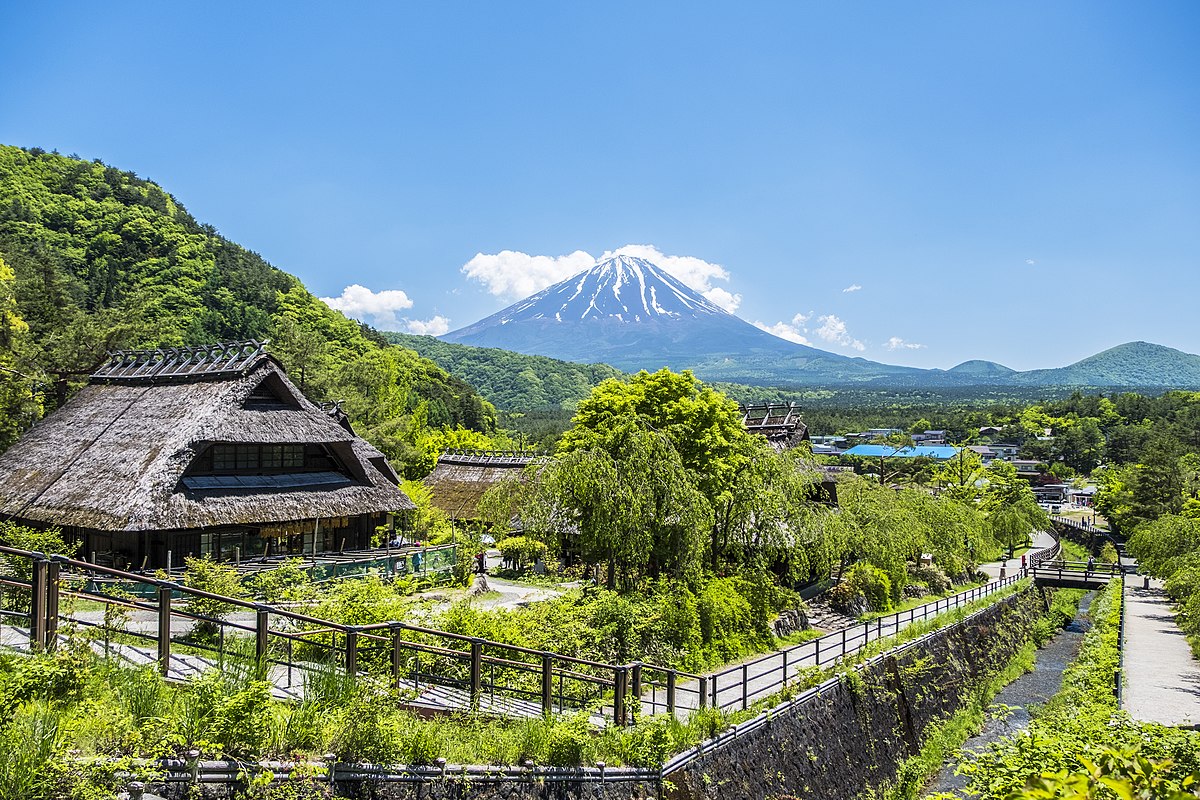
(512, 381)
(94, 258)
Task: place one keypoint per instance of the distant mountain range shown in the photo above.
(630, 313)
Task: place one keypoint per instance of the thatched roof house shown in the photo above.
(780, 423)
(197, 450)
(461, 478)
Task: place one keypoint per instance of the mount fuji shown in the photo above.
(630, 313)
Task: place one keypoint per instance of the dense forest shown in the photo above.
(511, 381)
(94, 258)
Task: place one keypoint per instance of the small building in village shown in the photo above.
(197, 451)
(461, 478)
(780, 423)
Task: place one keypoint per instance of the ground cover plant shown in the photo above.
(1080, 727)
(70, 721)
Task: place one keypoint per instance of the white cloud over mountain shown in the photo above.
(792, 331)
(896, 343)
(511, 274)
(360, 302)
(833, 330)
(429, 327)
(379, 309)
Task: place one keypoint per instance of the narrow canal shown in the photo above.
(1010, 711)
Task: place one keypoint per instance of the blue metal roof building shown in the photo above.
(938, 452)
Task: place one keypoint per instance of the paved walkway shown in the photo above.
(1162, 679)
(1041, 541)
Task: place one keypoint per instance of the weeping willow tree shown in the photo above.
(626, 505)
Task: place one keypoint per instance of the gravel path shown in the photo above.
(1162, 679)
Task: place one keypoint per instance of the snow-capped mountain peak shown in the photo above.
(623, 288)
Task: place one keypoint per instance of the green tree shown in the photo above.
(19, 403)
(627, 503)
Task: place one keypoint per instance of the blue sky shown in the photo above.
(1018, 182)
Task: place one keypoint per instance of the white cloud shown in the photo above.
(512, 275)
(429, 327)
(833, 330)
(1030, 261)
(792, 331)
(723, 298)
(896, 343)
(854, 287)
(360, 302)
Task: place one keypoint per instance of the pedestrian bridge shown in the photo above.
(1074, 574)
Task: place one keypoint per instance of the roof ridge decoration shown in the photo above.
(220, 360)
(492, 457)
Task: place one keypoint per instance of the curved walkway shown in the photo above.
(1162, 679)
(1041, 541)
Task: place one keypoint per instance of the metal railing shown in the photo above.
(718, 742)
(434, 668)
(288, 646)
(741, 685)
(1076, 571)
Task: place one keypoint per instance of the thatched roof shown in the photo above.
(114, 457)
(780, 423)
(461, 478)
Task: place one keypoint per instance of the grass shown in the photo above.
(917, 602)
(945, 738)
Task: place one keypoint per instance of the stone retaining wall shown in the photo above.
(858, 730)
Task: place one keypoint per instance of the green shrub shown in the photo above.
(521, 550)
(872, 583)
(225, 716)
(214, 577)
(932, 576)
(59, 676)
(288, 581)
(371, 729)
(569, 741)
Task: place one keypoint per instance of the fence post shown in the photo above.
(636, 691)
(843, 642)
(620, 675)
(52, 575)
(671, 692)
(396, 656)
(37, 605)
(476, 671)
(164, 630)
(351, 653)
(785, 660)
(703, 691)
(547, 684)
(745, 686)
(262, 629)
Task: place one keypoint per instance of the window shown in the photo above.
(257, 457)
